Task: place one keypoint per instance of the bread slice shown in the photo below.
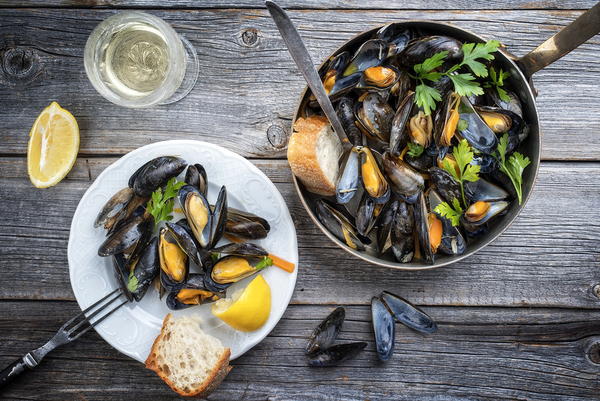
(190, 361)
(313, 153)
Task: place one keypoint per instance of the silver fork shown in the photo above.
(69, 332)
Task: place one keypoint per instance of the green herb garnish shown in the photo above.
(497, 81)
(465, 83)
(513, 167)
(466, 171)
(265, 262)
(132, 283)
(414, 149)
(452, 213)
(160, 205)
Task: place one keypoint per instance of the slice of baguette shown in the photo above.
(313, 153)
(190, 361)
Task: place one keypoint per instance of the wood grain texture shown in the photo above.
(311, 4)
(548, 257)
(248, 82)
(477, 354)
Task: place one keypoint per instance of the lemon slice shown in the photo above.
(53, 146)
(248, 308)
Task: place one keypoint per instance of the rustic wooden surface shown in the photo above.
(518, 321)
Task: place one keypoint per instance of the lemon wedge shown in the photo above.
(248, 308)
(53, 146)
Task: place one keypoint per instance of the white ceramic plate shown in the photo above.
(133, 328)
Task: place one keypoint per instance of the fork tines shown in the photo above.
(83, 322)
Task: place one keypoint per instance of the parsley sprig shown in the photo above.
(160, 205)
(497, 82)
(513, 167)
(414, 149)
(465, 83)
(451, 212)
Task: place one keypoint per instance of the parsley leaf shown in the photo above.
(426, 97)
(463, 154)
(452, 213)
(497, 81)
(160, 205)
(462, 125)
(414, 149)
(465, 85)
(264, 262)
(132, 283)
(513, 167)
(472, 52)
(431, 63)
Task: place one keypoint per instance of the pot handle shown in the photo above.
(567, 39)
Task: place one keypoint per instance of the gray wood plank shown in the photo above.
(477, 354)
(312, 4)
(249, 83)
(549, 257)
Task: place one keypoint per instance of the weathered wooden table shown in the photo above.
(520, 320)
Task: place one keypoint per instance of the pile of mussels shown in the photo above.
(140, 257)
(385, 198)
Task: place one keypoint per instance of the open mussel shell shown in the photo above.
(423, 228)
(173, 261)
(144, 271)
(446, 120)
(245, 226)
(196, 177)
(155, 174)
(374, 117)
(396, 35)
(185, 241)
(373, 180)
(420, 129)
(403, 178)
(453, 242)
(482, 212)
(378, 78)
(512, 104)
(198, 213)
(193, 292)
(402, 240)
(483, 190)
(409, 315)
(384, 329)
(365, 216)
(344, 85)
(121, 272)
(398, 134)
(476, 131)
(233, 268)
(384, 233)
(337, 224)
(112, 209)
(241, 249)
(324, 335)
(127, 235)
(486, 163)
(219, 218)
(370, 54)
(445, 184)
(349, 181)
(417, 50)
(336, 354)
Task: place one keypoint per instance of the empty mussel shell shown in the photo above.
(324, 335)
(337, 224)
(113, 208)
(370, 54)
(409, 315)
(336, 354)
(196, 177)
(384, 329)
(483, 190)
(445, 184)
(349, 181)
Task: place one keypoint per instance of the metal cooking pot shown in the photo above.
(521, 70)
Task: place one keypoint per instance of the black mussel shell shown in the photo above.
(402, 240)
(349, 182)
(126, 236)
(445, 184)
(513, 104)
(385, 222)
(453, 242)
(336, 354)
(245, 226)
(204, 295)
(384, 329)
(155, 173)
(398, 134)
(486, 163)
(417, 50)
(374, 116)
(365, 216)
(421, 213)
(145, 270)
(339, 225)
(345, 112)
(208, 281)
(403, 178)
(241, 249)
(396, 35)
(477, 132)
(409, 315)
(344, 85)
(483, 190)
(219, 218)
(115, 206)
(196, 176)
(185, 240)
(324, 335)
(420, 163)
(370, 54)
(121, 272)
(168, 282)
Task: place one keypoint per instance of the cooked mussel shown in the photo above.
(344, 85)
(349, 181)
(396, 35)
(374, 117)
(144, 271)
(196, 177)
(429, 228)
(232, 268)
(402, 241)
(198, 213)
(384, 329)
(335, 67)
(398, 134)
(445, 184)
(421, 129)
(219, 218)
(127, 236)
(373, 180)
(121, 273)
(240, 249)
(403, 178)
(324, 335)
(173, 261)
(366, 215)
(345, 111)
(338, 225)
(192, 292)
(452, 241)
(475, 130)
(481, 212)
(446, 120)
(113, 208)
(155, 174)
(483, 190)
(245, 226)
(336, 354)
(417, 50)
(185, 240)
(409, 315)
(384, 233)
(370, 54)
(378, 78)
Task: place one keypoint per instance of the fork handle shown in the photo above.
(13, 370)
